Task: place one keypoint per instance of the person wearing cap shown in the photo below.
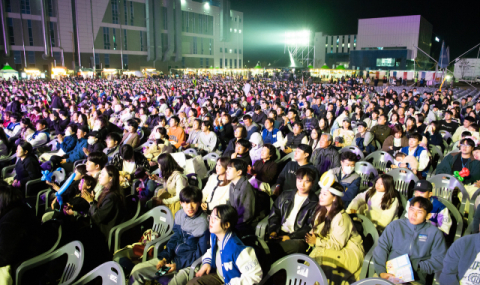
(423, 242)
(337, 246)
(466, 123)
(439, 216)
(364, 139)
(344, 136)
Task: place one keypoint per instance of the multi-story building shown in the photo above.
(121, 34)
(333, 50)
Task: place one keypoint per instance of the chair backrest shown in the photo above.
(437, 155)
(211, 159)
(365, 170)
(194, 180)
(446, 135)
(444, 185)
(353, 149)
(472, 207)
(458, 223)
(402, 177)
(373, 281)
(370, 240)
(380, 159)
(75, 253)
(297, 271)
(111, 273)
(191, 151)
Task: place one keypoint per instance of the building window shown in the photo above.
(25, 6)
(221, 49)
(164, 18)
(114, 36)
(125, 12)
(106, 59)
(30, 32)
(230, 50)
(235, 51)
(96, 60)
(51, 11)
(58, 57)
(10, 31)
(207, 62)
(221, 63)
(201, 62)
(31, 58)
(106, 38)
(52, 33)
(17, 57)
(125, 61)
(194, 45)
(239, 51)
(183, 62)
(8, 5)
(240, 63)
(231, 63)
(235, 61)
(385, 62)
(114, 4)
(240, 20)
(201, 45)
(131, 13)
(210, 46)
(125, 46)
(141, 41)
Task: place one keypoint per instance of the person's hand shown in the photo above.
(477, 184)
(284, 238)
(310, 238)
(273, 235)
(287, 150)
(391, 147)
(60, 138)
(393, 166)
(276, 192)
(234, 155)
(63, 161)
(249, 169)
(386, 275)
(205, 269)
(87, 196)
(85, 150)
(353, 211)
(172, 266)
(204, 206)
(127, 176)
(161, 264)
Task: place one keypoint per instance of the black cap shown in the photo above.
(362, 123)
(423, 186)
(93, 134)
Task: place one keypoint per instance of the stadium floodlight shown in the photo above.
(299, 38)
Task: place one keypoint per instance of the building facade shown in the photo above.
(121, 34)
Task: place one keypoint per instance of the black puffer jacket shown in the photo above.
(283, 206)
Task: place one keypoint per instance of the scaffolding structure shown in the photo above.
(300, 47)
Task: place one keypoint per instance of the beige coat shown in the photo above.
(339, 254)
(171, 193)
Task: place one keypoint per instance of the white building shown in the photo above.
(467, 68)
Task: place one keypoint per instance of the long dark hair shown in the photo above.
(4, 139)
(113, 186)
(390, 193)
(168, 165)
(227, 214)
(321, 214)
(224, 161)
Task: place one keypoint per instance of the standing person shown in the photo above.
(245, 268)
(335, 241)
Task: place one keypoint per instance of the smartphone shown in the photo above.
(162, 271)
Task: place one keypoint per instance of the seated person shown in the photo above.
(251, 126)
(41, 136)
(289, 218)
(364, 139)
(66, 161)
(326, 156)
(265, 169)
(456, 161)
(245, 266)
(130, 135)
(207, 140)
(270, 134)
(113, 139)
(190, 234)
(294, 138)
(439, 216)
(460, 265)
(27, 167)
(127, 161)
(147, 186)
(335, 241)
(65, 143)
(12, 130)
(346, 176)
(423, 242)
(94, 144)
(286, 179)
(241, 196)
(421, 154)
(193, 134)
(242, 148)
(239, 133)
(257, 145)
(344, 136)
(161, 145)
(217, 188)
(175, 133)
(379, 203)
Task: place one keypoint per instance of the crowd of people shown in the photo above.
(275, 141)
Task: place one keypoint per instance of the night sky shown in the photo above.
(265, 21)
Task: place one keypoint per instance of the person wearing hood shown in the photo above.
(346, 176)
(256, 149)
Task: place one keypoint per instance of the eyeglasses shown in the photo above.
(215, 218)
(465, 145)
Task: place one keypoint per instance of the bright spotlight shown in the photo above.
(300, 38)
(437, 39)
(207, 5)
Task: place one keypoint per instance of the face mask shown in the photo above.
(91, 141)
(118, 109)
(348, 169)
(68, 133)
(157, 136)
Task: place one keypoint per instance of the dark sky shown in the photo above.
(265, 21)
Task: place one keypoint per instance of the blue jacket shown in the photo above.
(269, 137)
(416, 154)
(350, 182)
(68, 143)
(460, 256)
(189, 241)
(77, 153)
(238, 261)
